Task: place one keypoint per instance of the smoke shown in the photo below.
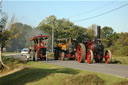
(36, 32)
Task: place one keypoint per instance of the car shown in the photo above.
(24, 51)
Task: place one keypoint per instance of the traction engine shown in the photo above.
(38, 50)
(93, 50)
(65, 49)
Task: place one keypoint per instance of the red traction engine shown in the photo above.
(39, 47)
(93, 50)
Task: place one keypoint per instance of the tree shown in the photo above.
(4, 37)
(91, 32)
(106, 36)
(3, 22)
(63, 28)
(60, 27)
(123, 39)
(120, 46)
(19, 39)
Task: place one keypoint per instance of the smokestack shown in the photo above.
(98, 32)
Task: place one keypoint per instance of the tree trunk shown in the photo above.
(3, 65)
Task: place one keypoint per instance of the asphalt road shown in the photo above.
(111, 69)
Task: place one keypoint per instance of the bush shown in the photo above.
(88, 79)
(119, 50)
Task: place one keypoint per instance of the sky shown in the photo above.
(32, 12)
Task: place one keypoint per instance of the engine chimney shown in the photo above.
(98, 32)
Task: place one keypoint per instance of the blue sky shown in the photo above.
(32, 12)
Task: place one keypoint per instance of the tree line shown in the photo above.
(17, 36)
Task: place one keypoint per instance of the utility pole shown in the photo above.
(52, 35)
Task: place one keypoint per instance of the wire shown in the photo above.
(95, 9)
(102, 13)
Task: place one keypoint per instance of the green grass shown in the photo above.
(10, 53)
(51, 55)
(119, 59)
(11, 63)
(38, 73)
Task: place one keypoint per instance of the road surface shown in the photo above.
(111, 69)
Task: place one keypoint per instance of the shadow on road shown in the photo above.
(116, 62)
(113, 62)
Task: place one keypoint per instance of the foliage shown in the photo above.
(63, 28)
(106, 36)
(120, 46)
(91, 32)
(4, 37)
(19, 36)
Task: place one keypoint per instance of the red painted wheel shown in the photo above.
(81, 53)
(62, 56)
(90, 56)
(108, 57)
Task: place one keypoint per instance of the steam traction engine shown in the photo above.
(65, 49)
(90, 50)
(39, 48)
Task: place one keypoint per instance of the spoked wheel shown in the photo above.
(81, 52)
(108, 57)
(90, 56)
(27, 57)
(62, 56)
(36, 55)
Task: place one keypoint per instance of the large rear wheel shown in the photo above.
(89, 56)
(81, 52)
(108, 57)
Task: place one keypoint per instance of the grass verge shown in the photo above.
(38, 73)
(120, 59)
(11, 63)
